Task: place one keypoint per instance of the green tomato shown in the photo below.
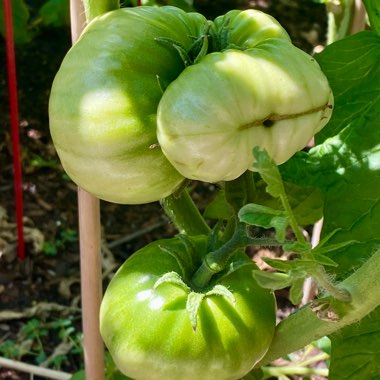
(157, 327)
(245, 29)
(269, 94)
(104, 101)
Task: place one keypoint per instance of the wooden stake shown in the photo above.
(90, 255)
(91, 283)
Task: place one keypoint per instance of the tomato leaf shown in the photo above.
(296, 291)
(271, 280)
(266, 217)
(55, 13)
(346, 167)
(306, 202)
(355, 350)
(269, 172)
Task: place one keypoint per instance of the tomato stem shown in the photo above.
(184, 214)
(215, 261)
(94, 8)
(325, 282)
(304, 326)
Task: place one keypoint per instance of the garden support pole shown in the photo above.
(90, 255)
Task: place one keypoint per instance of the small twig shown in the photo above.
(62, 349)
(34, 370)
(314, 359)
(37, 310)
(136, 234)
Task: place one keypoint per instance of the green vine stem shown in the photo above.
(184, 214)
(304, 326)
(94, 8)
(215, 261)
(373, 11)
(270, 372)
(324, 281)
(292, 219)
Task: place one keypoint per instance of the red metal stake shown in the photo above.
(13, 105)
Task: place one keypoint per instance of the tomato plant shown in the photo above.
(230, 101)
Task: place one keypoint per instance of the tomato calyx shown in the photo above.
(198, 49)
(221, 38)
(270, 120)
(194, 298)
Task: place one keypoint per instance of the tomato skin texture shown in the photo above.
(148, 331)
(213, 115)
(246, 29)
(104, 101)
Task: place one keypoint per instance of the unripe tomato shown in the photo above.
(104, 101)
(268, 93)
(150, 333)
(245, 29)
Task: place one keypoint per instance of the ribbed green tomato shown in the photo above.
(150, 331)
(246, 29)
(104, 101)
(271, 95)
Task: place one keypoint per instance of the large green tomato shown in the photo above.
(260, 90)
(157, 327)
(104, 101)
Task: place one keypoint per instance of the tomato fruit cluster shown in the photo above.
(147, 325)
(149, 96)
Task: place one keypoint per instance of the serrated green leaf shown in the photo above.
(282, 265)
(296, 291)
(269, 172)
(266, 217)
(273, 281)
(355, 350)
(306, 202)
(297, 247)
(322, 259)
(333, 247)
